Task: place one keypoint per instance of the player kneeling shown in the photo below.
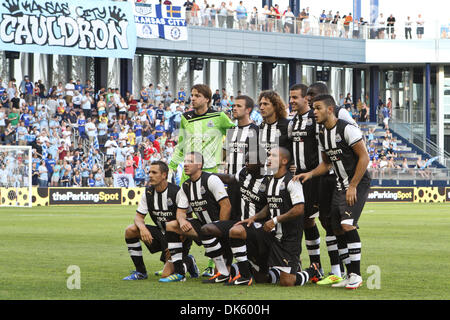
(162, 200)
(274, 249)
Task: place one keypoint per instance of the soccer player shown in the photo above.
(209, 201)
(250, 183)
(343, 147)
(273, 129)
(302, 131)
(201, 130)
(238, 143)
(280, 237)
(241, 138)
(327, 185)
(161, 200)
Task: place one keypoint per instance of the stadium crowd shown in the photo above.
(81, 138)
(276, 19)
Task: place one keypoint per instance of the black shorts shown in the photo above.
(420, 30)
(197, 226)
(259, 244)
(234, 195)
(342, 213)
(311, 194)
(224, 226)
(327, 185)
(285, 256)
(159, 243)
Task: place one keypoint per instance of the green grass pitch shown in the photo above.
(407, 243)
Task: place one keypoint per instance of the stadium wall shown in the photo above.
(131, 196)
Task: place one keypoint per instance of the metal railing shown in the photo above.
(430, 174)
(312, 26)
(406, 130)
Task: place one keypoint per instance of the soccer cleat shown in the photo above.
(193, 269)
(331, 279)
(217, 278)
(342, 283)
(209, 272)
(136, 276)
(318, 275)
(240, 281)
(176, 277)
(354, 282)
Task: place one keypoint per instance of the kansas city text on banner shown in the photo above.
(160, 21)
(70, 27)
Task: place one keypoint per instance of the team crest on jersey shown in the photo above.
(149, 191)
(169, 202)
(278, 133)
(309, 122)
(262, 187)
(282, 186)
(338, 138)
(210, 124)
(202, 190)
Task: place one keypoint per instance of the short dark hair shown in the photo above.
(317, 88)
(326, 98)
(300, 86)
(249, 103)
(198, 157)
(163, 167)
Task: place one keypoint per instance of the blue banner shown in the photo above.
(154, 20)
(70, 27)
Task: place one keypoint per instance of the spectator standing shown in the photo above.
(86, 104)
(213, 14)
(195, 14)
(69, 90)
(322, 21)
(91, 130)
(420, 26)
(408, 26)
(167, 97)
(347, 21)
(222, 15)
(108, 173)
(230, 15)
(188, 5)
(289, 18)
(76, 179)
(43, 174)
(27, 88)
(241, 16)
(390, 26)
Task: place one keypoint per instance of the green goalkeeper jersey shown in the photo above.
(202, 133)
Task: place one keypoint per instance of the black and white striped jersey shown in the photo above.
(239, 141)
(273, 135)
(162, 206)
(343, 114)
(303, 133)
(337, 144)
(253, 194)
(204, 196)
(282, 195)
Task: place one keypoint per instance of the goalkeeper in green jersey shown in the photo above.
(201, 130)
